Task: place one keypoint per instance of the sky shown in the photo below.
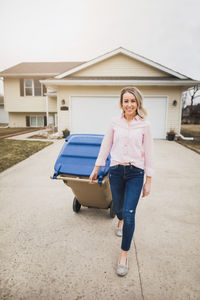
(165, 31)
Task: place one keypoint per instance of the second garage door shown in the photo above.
(92, 114)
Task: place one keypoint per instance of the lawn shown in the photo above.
(15, 130)
(14, 151)
(191, 130)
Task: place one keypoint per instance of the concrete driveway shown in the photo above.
(49, 252)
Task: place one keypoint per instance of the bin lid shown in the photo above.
(78, 156)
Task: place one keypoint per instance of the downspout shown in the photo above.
(47, 110)
(185, 138)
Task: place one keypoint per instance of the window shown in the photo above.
(28, 87)
(33, 121)
(36, 121)
(40, 121)
(33, 87)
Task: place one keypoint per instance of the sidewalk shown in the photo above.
(49, 252)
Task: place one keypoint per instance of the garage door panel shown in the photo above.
(93, 114)
(156, 109)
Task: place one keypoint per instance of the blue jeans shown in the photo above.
(126, 183)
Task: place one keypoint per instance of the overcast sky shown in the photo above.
(166, 31)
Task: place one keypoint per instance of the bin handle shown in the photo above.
(75, 179)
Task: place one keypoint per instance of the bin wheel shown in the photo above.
(76, 205)
(112, 211)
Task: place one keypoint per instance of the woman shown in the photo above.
(130, 141)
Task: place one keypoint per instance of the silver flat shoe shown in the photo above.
(122, 269)
(118, 231)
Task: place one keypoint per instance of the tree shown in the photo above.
(191, 105)
(193, 94)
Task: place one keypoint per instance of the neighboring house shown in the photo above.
(26, 99)
(84, 96)
(3, 113)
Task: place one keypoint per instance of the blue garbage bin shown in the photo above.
(74, 166)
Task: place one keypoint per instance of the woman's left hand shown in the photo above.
(146, 189)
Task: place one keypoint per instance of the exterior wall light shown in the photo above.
(174, 102)
(63, 102)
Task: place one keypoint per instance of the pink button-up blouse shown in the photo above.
(128, 142)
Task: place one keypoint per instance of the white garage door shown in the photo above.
(93, 114)
(156, 108)
(90, 114)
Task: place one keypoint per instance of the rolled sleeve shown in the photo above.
(105, 147)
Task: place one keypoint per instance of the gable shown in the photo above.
(120, 65)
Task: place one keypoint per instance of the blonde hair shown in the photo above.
(139, 98)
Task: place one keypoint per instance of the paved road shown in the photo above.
(49, 252)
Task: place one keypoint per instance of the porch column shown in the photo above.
(47, 109)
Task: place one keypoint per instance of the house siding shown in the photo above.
(17, 120)
(120, 65)
(15, 103)
(173, 112)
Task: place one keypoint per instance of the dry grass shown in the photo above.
(191, 130)
(4, 131)
(14, 151)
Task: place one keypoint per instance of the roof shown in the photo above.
(40, 68)
(126, 52)
(56, 72)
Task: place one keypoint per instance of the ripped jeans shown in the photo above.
(126, 183)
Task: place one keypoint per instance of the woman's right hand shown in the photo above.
(93, 175)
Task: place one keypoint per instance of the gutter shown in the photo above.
(119, 82)
(21, 75)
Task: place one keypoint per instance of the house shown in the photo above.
(3, 113)
(84, 96)
(26, 99)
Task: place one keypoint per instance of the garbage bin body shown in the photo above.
(75, 164)
(94, 195)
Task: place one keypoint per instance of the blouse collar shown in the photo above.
(137, 117)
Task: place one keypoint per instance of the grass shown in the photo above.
(4, 131)
(14, 151)
(191, 130)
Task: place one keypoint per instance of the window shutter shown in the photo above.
(44, 89)
(21, 87)
(45, 120)
(27, 121)
(37, 88)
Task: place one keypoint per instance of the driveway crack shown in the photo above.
(138, 265)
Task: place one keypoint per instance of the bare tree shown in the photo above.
(192, 94)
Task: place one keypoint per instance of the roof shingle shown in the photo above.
(39, 68)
